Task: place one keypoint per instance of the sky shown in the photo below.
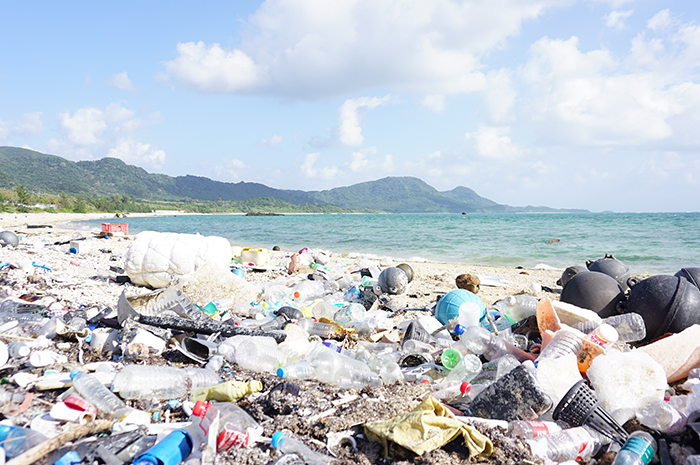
(591, 104)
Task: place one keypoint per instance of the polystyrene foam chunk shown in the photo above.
(622, 380)
(571, 314)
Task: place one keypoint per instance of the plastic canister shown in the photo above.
(258, 257)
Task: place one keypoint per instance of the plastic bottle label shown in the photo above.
(539, 428)
(229, 438)
(639, 446)
(596, 338)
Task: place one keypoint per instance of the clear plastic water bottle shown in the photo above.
(148, 382)
(307, 291)
(322, 330)
(452, 391)
(564, 342)
(93, 391)
(483, 342)
(19, 350)
(345, 372)
(570, 444)
(630, 327)
(297, 370)
(532, 429)
(254, 355)
(639, 449)
(517, 307)
(16, 440)
(659, 415)
(287, 445)
(201, 377)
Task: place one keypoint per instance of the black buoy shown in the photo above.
(612, 267)
(594, 291)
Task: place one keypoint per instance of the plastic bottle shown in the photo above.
(350, 315)
(630, 327)
(307, 291)
(481, 341)
(604, 335)
(532, 429)
(148, 382)
(517, 307)
(179, 444)
(466, 370)
(659, 415)
(452, 391)
(19, 350)
(315, 328)
(569, 444)
(96, 393)
(287, 445)
(236, 427)
(255, 355)
(297, 370)
(345, 372)
(639, 449)
(9, 398)
(201, 377)
(15, 440)
(563, 342)
(386, 367)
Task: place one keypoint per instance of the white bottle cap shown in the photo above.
(604, 335)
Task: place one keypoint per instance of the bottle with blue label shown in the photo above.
(639, 449)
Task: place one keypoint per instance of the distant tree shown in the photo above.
(79, 205)
(63, 201)
(23, 196)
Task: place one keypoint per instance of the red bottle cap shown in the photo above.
(76, 403)
(200, 408)
(465, 388)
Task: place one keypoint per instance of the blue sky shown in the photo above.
(572, 104)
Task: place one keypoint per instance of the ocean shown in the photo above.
(654, 243)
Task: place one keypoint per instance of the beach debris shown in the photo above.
(327, 358)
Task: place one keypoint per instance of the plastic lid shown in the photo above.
(465, 388)
(459, 329)
(199, 408)
(276, 438)
(608, 333)
(75, 373)
(282, 372)
(76, 403)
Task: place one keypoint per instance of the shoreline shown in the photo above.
(432, 277)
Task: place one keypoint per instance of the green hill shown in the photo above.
(105, 177)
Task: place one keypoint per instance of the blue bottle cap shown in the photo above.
(282, 372)
(74, 373)
(276, 438)
(459, 329)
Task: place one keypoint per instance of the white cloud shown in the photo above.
(212, 69)
(273, 141)
(660, 20)
(91, 133)
(230, 169)
(307, 48)
(349, 129)
(435, 155)
(26, 125)
(494, 143)
(84, 128)
(309, 169)
(121, 81)
(434, 102)
(616, 19)
(137, 153)
(499, 95)
(358, 160)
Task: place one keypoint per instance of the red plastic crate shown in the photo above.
(113, 228)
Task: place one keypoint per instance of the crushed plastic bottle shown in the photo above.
(517, 307)
(16, 440)
(287, 445)
(236, 427)
(577, 443)
(93, 391)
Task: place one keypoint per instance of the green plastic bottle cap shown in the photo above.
(450, 358)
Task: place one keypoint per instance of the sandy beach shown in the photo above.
(322, 413)
(431, 278)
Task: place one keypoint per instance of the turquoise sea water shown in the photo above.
(646, 242)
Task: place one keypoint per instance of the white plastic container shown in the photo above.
(257, 257)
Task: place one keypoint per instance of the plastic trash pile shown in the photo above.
(195, 367)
